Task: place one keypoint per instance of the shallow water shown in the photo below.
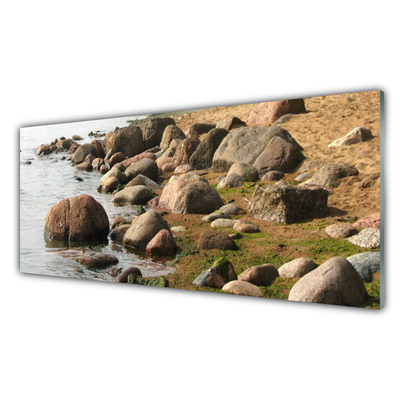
(47, 180)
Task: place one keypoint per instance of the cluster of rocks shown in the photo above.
(363, 233)
(131, 160)
(337, 281)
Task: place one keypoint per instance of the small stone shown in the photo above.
(178, 229)
(118, 221)
(123, 278)
(262, 275)
(244, 226)
(272, 176)
(341, 231)
(242, 288)
(232, 209)
(210, 239)
(223, 223)
(297, 268)
(368, 237)
(302, 177)
(214, 216)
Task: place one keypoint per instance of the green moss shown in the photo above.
(374, 294)
(120, 187)
(324, 248)
(160, 281)
(222, 266)
(279, 289)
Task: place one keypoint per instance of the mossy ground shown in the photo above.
(275, 244)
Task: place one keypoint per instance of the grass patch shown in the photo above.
(279, 289)
(374, 293)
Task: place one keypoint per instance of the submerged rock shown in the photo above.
(143, 229)
(77, 219)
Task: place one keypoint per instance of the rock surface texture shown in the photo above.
(283, 203)
(77, 219)
(334, 282)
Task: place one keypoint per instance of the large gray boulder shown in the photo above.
(334, 282)
(145, 166)
(153, 130)
(331, 175)
(366, 264)
(279, 155)
(246, 144)
(126, 140)
(171, 132)
(133, 195)
(143, 229)
(286, 204)
(203, 155)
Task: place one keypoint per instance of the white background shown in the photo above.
(64, 339)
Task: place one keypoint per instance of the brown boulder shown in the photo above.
(129, 161)
(182, 169)
(108, 185)
(90, 259)
(162, 244)
(77, 219)
(171, 132)
(210, 239)
(230, 123)
(117, 221)
(99, 148)
(123, 277)
(127, 140)
(279, 155)
(117, 234)
(153, 130)
(117, 158)
(145, 166)
(85, 166)
(262, 275)
(104, 169)
(185, 150)
(65, 144)
(198, 129)
(97, 163)
(268, 113)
